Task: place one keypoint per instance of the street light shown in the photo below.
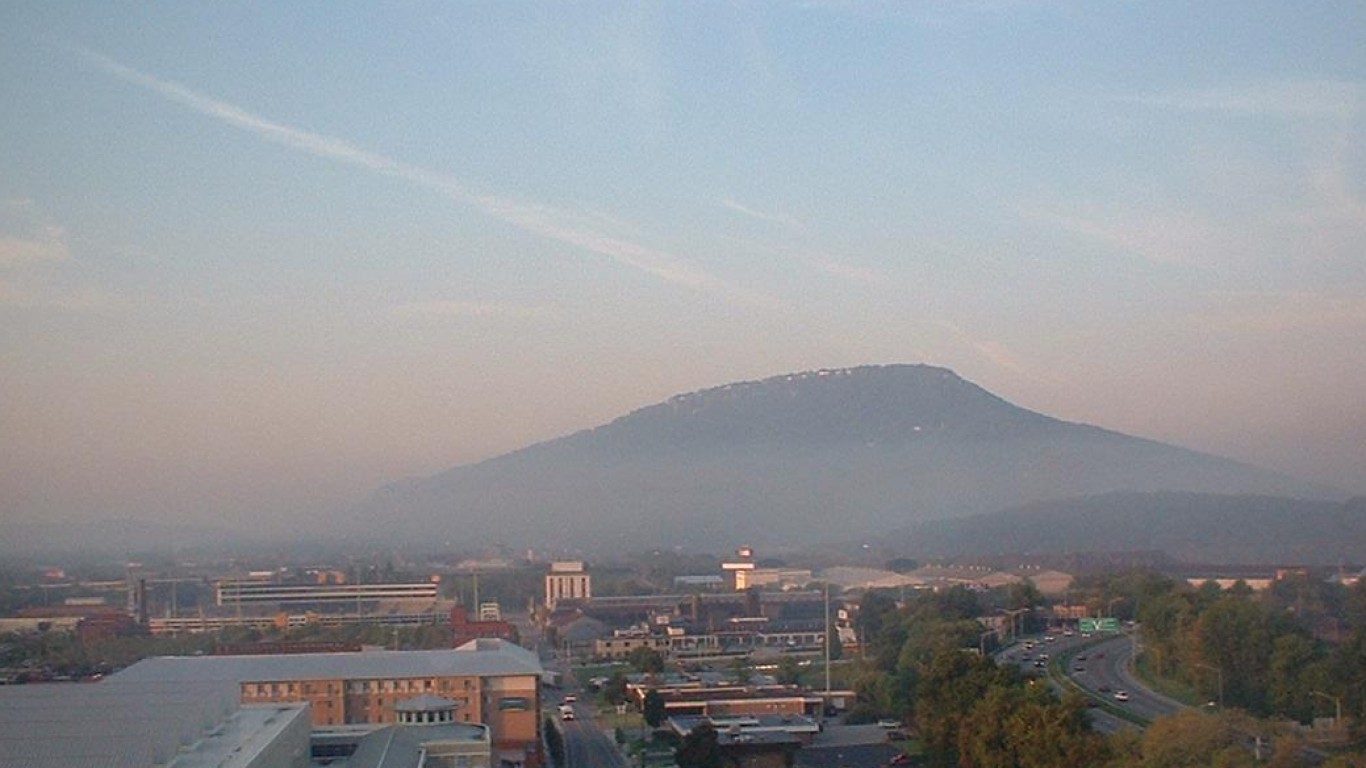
(1015, 632)
(1220, 673)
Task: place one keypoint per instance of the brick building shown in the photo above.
(492, 682)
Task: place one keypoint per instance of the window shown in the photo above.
(513, 704)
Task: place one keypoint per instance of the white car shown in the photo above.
(1121, 696)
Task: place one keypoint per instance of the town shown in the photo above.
(495, 661)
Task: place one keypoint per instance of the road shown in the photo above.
(1100, 670)
(585, 746)
(1109, 665)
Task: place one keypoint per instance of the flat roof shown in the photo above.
(486, 659)
(135, 725)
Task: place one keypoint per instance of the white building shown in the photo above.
(567, 580)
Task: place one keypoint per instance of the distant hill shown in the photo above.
(791, 460)
(1191, 527)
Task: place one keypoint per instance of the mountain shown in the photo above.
(1191, 527)
(790, 460)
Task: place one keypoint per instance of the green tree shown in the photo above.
(653, 707)
(614, 692)
(646, 660)
(699, 749)
(740, 669)
(832, 636)
(1193, 740)
(945, 695)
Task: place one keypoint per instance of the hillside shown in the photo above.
(1192, 527)
(791, 460)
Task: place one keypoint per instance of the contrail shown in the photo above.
(545, 221)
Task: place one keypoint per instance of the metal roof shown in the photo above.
(135, 725)
(486, 659)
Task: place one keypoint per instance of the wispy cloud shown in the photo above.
(467, 309)
(997, 354)
(781, 219)
(1161, 237)
(817, 261)
(49, 246)
(553, 223)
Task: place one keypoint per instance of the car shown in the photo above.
(570, 699)
(889, 722)
(566, 716)
(1121, 696)
(1081, 657)
(1078, 670)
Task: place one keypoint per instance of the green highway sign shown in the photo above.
(1099, 625)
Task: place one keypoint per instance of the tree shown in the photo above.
(876, 610)
(699, 749)
(789, 671)
(614, 692)
(654, 708)
(646, 660)
(1193, 740)
(739, 666)
(832, 636)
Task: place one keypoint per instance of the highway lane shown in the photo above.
(1027, 660)
(585, 746)
(1109, 669)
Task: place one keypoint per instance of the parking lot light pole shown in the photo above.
(1220, 674)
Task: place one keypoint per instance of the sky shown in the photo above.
(258, 259)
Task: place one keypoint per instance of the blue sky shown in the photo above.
(257, 260)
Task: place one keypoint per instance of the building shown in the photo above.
(732, 701)
(488, 626)
(492, 682)
(567, 580)
(234, 593)
(425, 736)
(281, 620)
(623, 643)
(147, 725)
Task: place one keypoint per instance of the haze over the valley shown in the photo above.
(258, 262)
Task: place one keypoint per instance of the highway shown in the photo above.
(1100, 669)
(585, 746)
(1108, 665)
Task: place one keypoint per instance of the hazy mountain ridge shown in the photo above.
(1191, 527)
(798, 458)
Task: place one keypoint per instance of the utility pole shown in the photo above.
(827, 649)
(1220, 673)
